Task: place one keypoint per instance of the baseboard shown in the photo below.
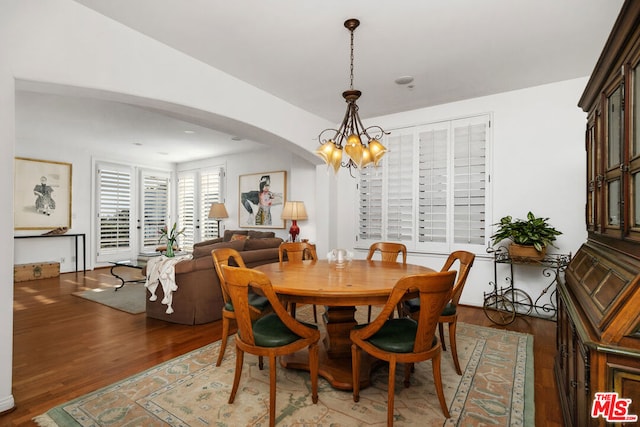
(7, 404)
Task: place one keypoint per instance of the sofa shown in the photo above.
(199, 296)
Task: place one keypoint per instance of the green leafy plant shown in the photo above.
(533, 231)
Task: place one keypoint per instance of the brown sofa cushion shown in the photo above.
(253, 244)
(201, 251)
(208, 242)
(253, 234)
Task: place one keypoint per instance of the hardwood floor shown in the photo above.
(66, 346)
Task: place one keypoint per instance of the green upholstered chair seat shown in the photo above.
(396, 335)
(258, 301)
(449, 310)
(413, 305)
(270, 331)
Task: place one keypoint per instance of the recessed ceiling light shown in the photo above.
(137, 143)
(189, 131)
(163, 153)
(404, 80)
(236, 138)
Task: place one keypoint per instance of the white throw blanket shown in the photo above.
(161, 270)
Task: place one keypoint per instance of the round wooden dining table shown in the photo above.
(340, 290)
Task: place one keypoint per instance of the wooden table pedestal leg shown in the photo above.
(335, 352)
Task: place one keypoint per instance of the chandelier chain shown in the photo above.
(351, 58)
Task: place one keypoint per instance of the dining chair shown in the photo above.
(298, 252)
(275, 334)
(389, 252)
(405, 340)
(258, 304)
(449, 315)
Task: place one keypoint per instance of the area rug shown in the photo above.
(129, 298)
(496, 388)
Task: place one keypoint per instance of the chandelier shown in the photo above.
(361, 144)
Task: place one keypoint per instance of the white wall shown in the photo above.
(82, 221)
(7, 135)
(538, 165)
(300, 183)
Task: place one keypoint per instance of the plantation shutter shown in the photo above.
(186, 210)
(399, 199)
(210, 187)
(155, 207)
(469, 180)
(114, 210)
(432, 183)
(370, 204)
(430, 191)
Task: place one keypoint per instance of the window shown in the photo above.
(186, 209)
(197, 190)
(114, 211)
(131, 206)
(210, 182)
(155, 207)
(430, 192)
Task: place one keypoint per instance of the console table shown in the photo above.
(74, 235)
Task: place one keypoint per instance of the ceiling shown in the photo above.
(299, 51)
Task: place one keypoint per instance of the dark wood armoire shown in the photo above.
(598, 336)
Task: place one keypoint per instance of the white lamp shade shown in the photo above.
(294, 210)
(218, 211)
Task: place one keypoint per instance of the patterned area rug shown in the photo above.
(496, 388)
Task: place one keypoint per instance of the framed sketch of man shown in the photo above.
(261, 197)
(41, 194)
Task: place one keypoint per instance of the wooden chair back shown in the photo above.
(434, 292)
(388, 251)
(239, 281)
(221, 257)
(465, 262)
(297, 251)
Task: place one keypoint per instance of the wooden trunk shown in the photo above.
(39, 270)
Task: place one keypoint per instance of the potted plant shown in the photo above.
(171, 236)
(529, 237)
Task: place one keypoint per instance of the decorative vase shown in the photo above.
(525, 253)
(169, 253)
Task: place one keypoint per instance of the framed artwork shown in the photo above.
(41, 194)
(261, 197)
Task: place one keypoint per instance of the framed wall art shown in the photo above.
(261, 197)
(41, 194)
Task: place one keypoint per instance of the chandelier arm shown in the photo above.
(379, 132)
(322, 141)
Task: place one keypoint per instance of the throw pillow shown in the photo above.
(229, 233)
(201, 251)
(238, 237)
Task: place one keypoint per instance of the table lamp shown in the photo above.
(218, 212)
(294, 210)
